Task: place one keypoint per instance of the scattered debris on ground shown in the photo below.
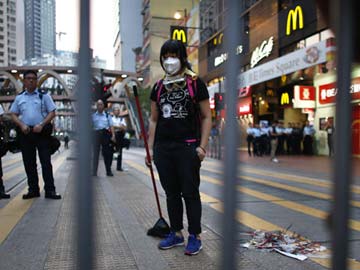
(288, 244)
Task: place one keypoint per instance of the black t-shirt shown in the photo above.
(179, 112)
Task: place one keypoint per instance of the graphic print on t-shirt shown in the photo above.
(174, 104)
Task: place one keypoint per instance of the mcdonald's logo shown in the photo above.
(295, 18)
(178, 33)
(285, 99)
(218, 40)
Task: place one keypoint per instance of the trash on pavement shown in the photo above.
(285, 243)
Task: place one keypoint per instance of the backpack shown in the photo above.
(191, 85)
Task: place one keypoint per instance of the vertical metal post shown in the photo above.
(342, 175)
(218, 114)
(84, 190)
(232, 39)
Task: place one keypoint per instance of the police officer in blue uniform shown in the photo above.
(32, 111)
(104, 136)
(3, 194)
(308, 132)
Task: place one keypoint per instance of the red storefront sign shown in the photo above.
(306, 93)
(304, 96)
(245, 106)
(328, 92)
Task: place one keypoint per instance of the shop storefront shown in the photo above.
(326, 92)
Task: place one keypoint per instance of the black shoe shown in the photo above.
(31, 195)
(4, 195)
(52, 195)
(109, 174)
(120, 169)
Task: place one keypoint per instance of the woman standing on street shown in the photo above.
(180, 125)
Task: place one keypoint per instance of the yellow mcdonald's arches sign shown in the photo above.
(218, 40)
(178, 33)
(295, 17)
(284, 100)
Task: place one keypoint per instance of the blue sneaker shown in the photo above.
(193, 246)
(172, 240)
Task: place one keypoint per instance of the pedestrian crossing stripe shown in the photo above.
(353, 224)
(253, 221)
(289, 177)
(299, 190)
(12, 213)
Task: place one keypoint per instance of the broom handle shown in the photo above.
(142, 127)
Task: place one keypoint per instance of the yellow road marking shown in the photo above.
(292, 178)
(353, 224)
(251, 220)
(287, 187)
(11, 214)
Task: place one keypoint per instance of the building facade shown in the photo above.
(288, 65)
(8, 50)
(158, 16)
(40, 28)
(129, 25)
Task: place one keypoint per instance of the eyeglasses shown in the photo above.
(31, 78)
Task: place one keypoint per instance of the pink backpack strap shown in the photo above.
(189, 82)
(159, 87)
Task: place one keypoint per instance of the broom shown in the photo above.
(161, 228)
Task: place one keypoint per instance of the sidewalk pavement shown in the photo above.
(125, 209)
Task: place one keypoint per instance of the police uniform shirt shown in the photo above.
(249, 131)
(256, 132)
(118, 121)
(288, 130)
(279, 130)
(1, 110)
(264, 131)
(308, 130)
(102, 120)
(32, 109)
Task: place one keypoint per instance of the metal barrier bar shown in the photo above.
(84, 190)
(232, 39)
(342, 174)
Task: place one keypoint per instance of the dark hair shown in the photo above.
(175, 47)
(26, 72)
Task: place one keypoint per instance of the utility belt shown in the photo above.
(46, 130)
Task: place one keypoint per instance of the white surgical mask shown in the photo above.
(172, 65)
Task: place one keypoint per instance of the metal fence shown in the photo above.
(344, 13)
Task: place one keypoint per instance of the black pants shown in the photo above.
(119, 137)
(2, 188)
(102, 138)
(330, 145)
(308, 141)
(178, 166)
(29, 143)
